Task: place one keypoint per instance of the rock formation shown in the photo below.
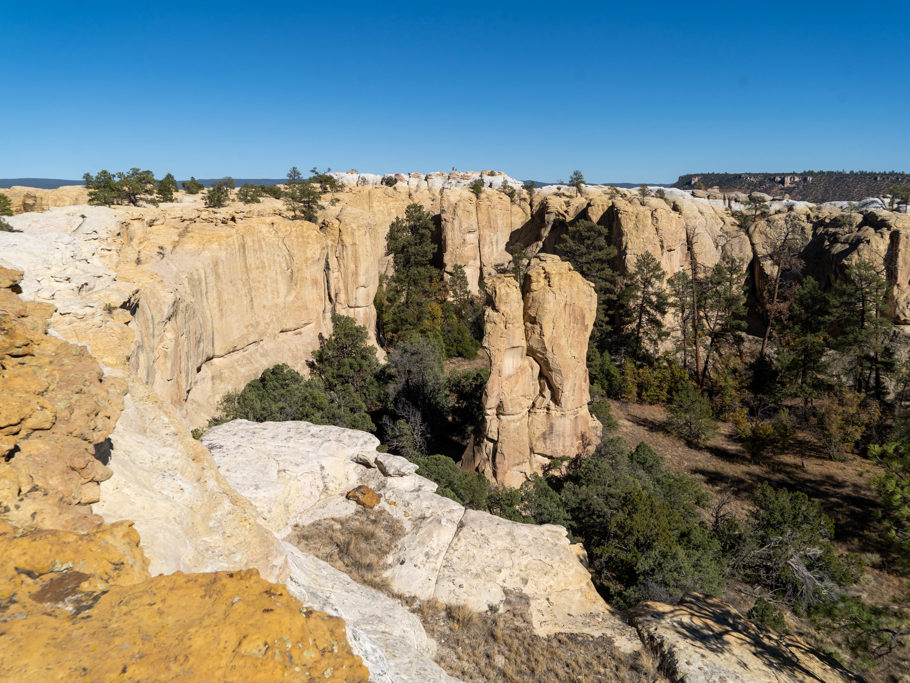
(703, 639)
(536, 400)
(25, 199)
(69, 580)
(165, 309)
(296, 473)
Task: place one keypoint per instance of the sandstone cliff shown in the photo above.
(536, 400)
(25, 199)
(177, 305)
(69, 580)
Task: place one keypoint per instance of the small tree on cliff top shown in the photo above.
(131, 187)
(301, 197)
(576, 180)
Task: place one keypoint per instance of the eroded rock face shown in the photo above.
(536, 400)
(67, 579)
(56, 411)
(296, 473)
(704, 639)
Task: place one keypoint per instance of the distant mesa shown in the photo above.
(807, 186)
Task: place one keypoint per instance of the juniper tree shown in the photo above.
(6, 206)
(192, 186)
(166, 188)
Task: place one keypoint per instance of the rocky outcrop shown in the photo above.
(56, 411)
(83, 606)
(536, 399)
(67, 579)
(296, 473)
(704, 640)
(26, 199)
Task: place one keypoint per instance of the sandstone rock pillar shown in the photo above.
(536, 400)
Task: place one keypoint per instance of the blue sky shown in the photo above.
(624, 92)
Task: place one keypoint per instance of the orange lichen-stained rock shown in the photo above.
(82, 607)
(57, 410)
(365, 496)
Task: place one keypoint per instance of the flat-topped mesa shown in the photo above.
(536, 400)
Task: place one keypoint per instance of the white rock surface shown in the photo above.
(448, 553)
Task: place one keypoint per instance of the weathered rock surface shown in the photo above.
(536, 400)
(192, 520)
(67, 580)
(82, 606)
(57, 408)
(26, 199)
(704, 640)
(448, 553)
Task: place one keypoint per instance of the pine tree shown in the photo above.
(648, 302)
(724, 310)
(576, 180)
(860, 303)
(301, 197)
(585, 245)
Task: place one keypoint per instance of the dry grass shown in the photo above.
(503, 647)
(359, 545)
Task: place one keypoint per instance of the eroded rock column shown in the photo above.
(536, 400)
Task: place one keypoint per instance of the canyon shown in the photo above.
(123, 327)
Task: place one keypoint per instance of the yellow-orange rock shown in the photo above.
(364, 496)
(82, 607)
(56, 412)
(24, 199)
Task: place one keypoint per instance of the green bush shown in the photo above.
(477, 187)
(786, 547)
(466, 391)
(219, 193)
(249, 193)
(341, 391)
(604, 413)
(192, 186)
(641, 525)
(273, 191)
(689, 416)
(6, 206)
(470, 489)
(766, 614)
(167, 188)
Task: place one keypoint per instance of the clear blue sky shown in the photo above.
(622, 91)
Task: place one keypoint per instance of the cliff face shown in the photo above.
(69, 579)
(536, 400)
(25, 199)
(165, 309)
